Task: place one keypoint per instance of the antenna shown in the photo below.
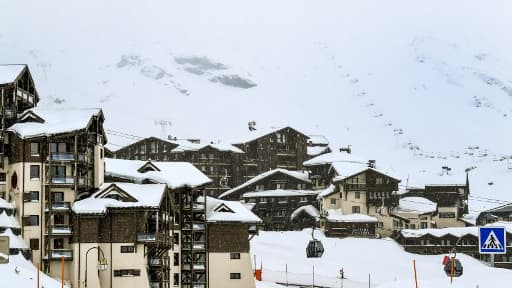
(163, 124)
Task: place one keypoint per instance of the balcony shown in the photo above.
(25, 96)
(58, 230)
(67, 156)
(159, 239)
(58, 206)
(146, 237)
(61, 180)
(57, 254)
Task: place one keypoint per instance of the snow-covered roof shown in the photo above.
(326, 192)
(9, 73)
(455, 231)
(20, 272)
(318, 140)
(8, 221)
(309, 209)
(56, 121)
(469, 219)
(228, 211)
(300, 175)
(363, 169)
(15, 241)
(185, 145)
(344, 169)
(418, 205)
(332, 157)
(258, 133)
(5, 204)
(279, 193)
(336, 215)
(132, 196)
(316, 150)
(436, 178)
(174, 174)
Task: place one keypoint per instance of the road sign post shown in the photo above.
(492, 240)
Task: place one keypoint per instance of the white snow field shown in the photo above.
(389, 265)
(416, 85)
(20, 273)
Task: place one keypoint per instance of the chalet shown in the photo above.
(266, 149)
(414, 213)
(449, 193)
(325, 167)
(230, 261)
(282, 209)
(220, 162)
(442, 241)
(317, 145)
(336, 224)
(129, 227)
(276, 179)
(501, 213)
(365, 191)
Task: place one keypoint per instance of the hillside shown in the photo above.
(387, 263)
(416, 86)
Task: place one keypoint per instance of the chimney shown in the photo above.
(371, 163)
(252, 125)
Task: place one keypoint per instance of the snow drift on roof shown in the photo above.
(279, 193)
(5, 204)
(440, 177)
(8, 221)
(56, 121)
(309, 209)
(415, 205)
(146, 196)
(238, 212)
(332, 157)
(258, 133)
(303, 176)
(15, 241)
(318, 140)
(357, 171)
(336, 215)
(316, 150)
(185, 145)
(326, 192)
(9, 73)
(455, 231)
(174, 174)
(26, 276)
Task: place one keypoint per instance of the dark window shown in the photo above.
(57, 197)
(34, 244)
(235, 276)
(3, 177)
(126, 272)
(176, 238)
(333, 201)
(32, 196)
(234, 256)
(34, 171)
(357, 195)
(176, 280)
(127, 249)
(176, 259)
(58, 171)
(356, 209)
(58, 219)
(32, 220)
(58, 243)
(34, 149)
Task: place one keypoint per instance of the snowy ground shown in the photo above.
(25, 276)
(387, 263)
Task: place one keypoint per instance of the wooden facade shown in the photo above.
(349, 229)
(501, 213)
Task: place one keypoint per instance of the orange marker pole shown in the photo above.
(453, 267)
(62, 271)
(38, 271)
(415, 275)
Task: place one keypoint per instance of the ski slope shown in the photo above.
(414, 85)
(387, 263)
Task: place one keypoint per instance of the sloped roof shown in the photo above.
(15, 241)
(316, 150)
(174, 174)
(141, 196)
(10, 72)
(302, 176)
(258, 133)
(238, 212)
(361, 170)
(318, 140)
(8, 221)
(332, 157)
(418, 205)
(336, 215)
(309, 209)
(280, 193)
(327, 191)
(56, 121)
(5, 204)
(185, 145)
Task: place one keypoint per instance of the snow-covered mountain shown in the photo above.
(415, 85)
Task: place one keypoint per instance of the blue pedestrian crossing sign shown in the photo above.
(492, 240)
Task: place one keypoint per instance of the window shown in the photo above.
(447, 215)
(34, 172)
(412, 226)
(176, 280)
(380, 224)
(357, 195)
(424, 225)
(31, 220)
(235, 276)
(128, 249)
(301, 186)
(31, 196)
(58, 219)
(281, 138)
(356, 209)
(378, 180)
(34, 149)
(234, 256)
(58, 171)
(153, 147)
(34, 244)
(280, 185)
(58, 243)
(3, 177)
(260, 187)
(263, 200)
(303, 199)
(333, 201)
(57, 197)
(176, 236)
(176, 259)
(126, 272)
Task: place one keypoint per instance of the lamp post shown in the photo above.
(102, 264)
